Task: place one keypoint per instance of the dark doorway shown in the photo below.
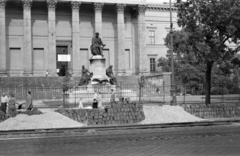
(62, 61)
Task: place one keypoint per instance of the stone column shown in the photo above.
(141, 40)
(27, 38)
(3, 54)
(119, 59)
(98, 17)
(52, 64)
(75, 38)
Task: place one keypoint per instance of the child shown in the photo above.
(80, 103)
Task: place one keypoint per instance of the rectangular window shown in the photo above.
(16, 61)
(151, 37)
(152, 65)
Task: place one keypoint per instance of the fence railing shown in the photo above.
(52, 96)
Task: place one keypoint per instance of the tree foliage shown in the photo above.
(67, 81)
(210, 26)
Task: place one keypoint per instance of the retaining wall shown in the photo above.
(213, 110)
(116, 113)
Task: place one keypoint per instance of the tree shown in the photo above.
(210, 25)
(187, 69)
(67, 83)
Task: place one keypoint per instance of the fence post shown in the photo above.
(63, 99)
(163, 92)
(184, 93)
(222, 92)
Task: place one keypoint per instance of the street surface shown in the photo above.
(189, 141)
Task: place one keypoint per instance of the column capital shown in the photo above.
(120, 7)
(98, 6)
(27, 4)
(51, 4)
(3, 3)
(142, 8)
(75, 5)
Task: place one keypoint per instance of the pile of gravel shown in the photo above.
(41, 121)
(167, 114)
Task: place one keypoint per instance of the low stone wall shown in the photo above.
(116, 113)
(213, 110)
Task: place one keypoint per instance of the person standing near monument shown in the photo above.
(4, 101)
(29, 104)
(12, 105)
(97, 45)
(112, 96)
(99, 100)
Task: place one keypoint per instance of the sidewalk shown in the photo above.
(92, 131)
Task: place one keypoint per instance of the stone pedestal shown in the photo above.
(98, 67)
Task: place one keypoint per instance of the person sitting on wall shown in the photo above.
(97, 45)
(109, 73)
(86, 76)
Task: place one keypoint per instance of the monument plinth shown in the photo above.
(98, 67)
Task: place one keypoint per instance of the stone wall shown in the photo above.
(116, 113)
(213, 110)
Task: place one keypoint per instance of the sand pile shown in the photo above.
(167, 114)
(45, 120)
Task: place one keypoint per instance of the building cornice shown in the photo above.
(160, 8)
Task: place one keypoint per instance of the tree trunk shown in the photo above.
(208, 83)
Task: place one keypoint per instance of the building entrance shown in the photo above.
(62, 60)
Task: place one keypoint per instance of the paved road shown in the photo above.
(191, 141)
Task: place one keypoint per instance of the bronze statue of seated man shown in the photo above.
(109, 73)
(97, 45)
(86, 77)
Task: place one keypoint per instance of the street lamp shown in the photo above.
(173, 88)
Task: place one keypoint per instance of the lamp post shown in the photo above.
(173, 88)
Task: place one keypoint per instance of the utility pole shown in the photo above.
(173, 87)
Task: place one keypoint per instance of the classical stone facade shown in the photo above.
(39, 37)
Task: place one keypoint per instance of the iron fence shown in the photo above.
(52, 96)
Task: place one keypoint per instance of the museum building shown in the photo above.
(44, 37)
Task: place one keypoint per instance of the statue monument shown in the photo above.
(99, 75)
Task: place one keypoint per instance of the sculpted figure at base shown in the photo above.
(97, 45)
(109, 73)
(86, 77)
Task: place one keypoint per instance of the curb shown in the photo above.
(92, 130)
